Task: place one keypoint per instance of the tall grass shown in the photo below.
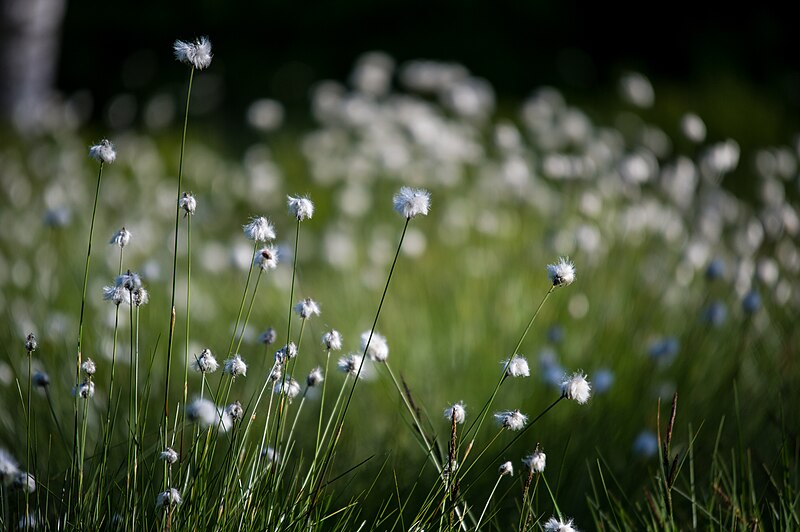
(525, 442)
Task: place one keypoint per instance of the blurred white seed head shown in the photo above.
(276, 373)
(562, 273)
(577, 388)
(288, 387)
(285, 353)
(516, 366)
(121, 238)
(350, 364)
(270, 454)
(171, 497)
(259, 229)
(30, 343)
(197, 53)
(378, 348)
(8, 467)
(130, 281)
(103, 152)
(85, 389)
(117, 295)
(536, 462)
(187, 203)
(506, 468)
(456, 411)
(315, 377)
(332, 340)
(307, 308)
(201, 411)
(25, 482)
(169, 455)
(411, 202)
(140, 297)
(269, 336)
(267, 258)
(88, 367)
(693, 128)
(205, 362)
(235, 411)
(300, 207)
(511, 420)
(235, 366)
(559, 525)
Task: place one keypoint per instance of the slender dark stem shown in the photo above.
(175, 260)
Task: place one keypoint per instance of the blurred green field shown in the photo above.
(664, 266)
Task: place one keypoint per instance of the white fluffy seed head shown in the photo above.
(187, 203)
(559, 525)
(410, 202)
(300, 207)
(577, 388)
(235, 366)
(536, 462)
(350, 364)
(201, 411)
(332, 340)
(235, 411)
(259, 229)
(121, 238)
(288, 387)
(307, 308)
(205, 362)
(377, 349)
(511, 420)
(562, 273)
(516, 366)
(456, 411)
(103, 152)
(25, 482)
(171, 497)
(315, 377)
(506, 468)
(88, 367)
(197, 53)
(85, 389)
(267, 258)
(169, 455)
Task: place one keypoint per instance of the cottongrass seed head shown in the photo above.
(169, 455)
(201, 411)
(266, 258)
(511, 420)
(559, 525)
(456, 411)
(410, 202)
(332, 340)
(300, 207)
(121, 238)
(351, 365)
(8, 467)
(117, 295)
(516, 366)
(24, 482)
(287, 352)
(376, 348)
(235, 366)
(288, 387)
(30, 343)
(536, 461)
(187, 203)
(88, 367)
(205, 363)
(197, 53)
(235, 411)
(259, 229)
(577, 388)
(562, 273)
(506, 468)
(307, 308)
(268, 337)
(41, 379)
(103, 152)
(315, 377)
(168, 498)
(84, 390)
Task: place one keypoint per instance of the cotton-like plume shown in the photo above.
(378, 348)
(516, 366)
(410, 202)
(187, 203)
(562, 273)
(307, 308)
(235, 366)
(267, 258)
(103, 152)
(205, 362)
(259, 229)
(300, 207)
(121, 238)
(332, 340)
(577, 388)
(197, 53)
(456, 411)
(511, 420)
(171, 497)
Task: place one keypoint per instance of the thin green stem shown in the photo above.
(241, 303)
(188, 321)
(175, 259)
(488, 500)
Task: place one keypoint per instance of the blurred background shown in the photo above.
(656, 144)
